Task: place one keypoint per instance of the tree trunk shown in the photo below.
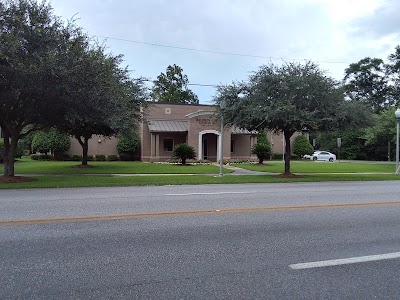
(84, 142)
(10, 146)
(85, 149)
(288, 134)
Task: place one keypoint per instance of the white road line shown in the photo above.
(344, 261)
(220, 193)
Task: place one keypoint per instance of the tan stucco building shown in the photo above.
(166, 125)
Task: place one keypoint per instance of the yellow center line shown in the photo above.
(159, 214)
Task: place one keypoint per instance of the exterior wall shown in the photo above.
(178, 138)
(152, 143)
(97, 145)
(242, 144)
(202, 124)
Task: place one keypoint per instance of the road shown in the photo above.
(250, 241)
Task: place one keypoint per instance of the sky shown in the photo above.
(221, 41)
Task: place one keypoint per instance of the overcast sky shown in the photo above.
(333, 33)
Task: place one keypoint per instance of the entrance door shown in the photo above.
(205, 149)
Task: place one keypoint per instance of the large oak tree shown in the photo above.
(32, 44)
(288, 99)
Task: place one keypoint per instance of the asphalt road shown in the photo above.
(201, 242)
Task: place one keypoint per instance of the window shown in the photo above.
(168, 145)
(232, 146)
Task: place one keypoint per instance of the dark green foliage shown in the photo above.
(353, 144)
(184, 152)
(50, 141)
(393, 70)
(173, 87)
(263, 147)
(76, 157)
(365, 81)
(127, 143)
(100, 157)
(62, 157)
(287, 99)
(33, 45)
(301, 146)
(112, 157)
(41, 157)
(126, 156)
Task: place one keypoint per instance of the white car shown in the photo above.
(321, 155)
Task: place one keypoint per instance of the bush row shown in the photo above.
(66, 157)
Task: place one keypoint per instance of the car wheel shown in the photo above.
(331, 159)
(314, 158)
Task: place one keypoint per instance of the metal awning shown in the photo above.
(167, 126)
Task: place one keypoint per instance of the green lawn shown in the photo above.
(182, 174)
(28, 166)
(103, 181)
(322, 167)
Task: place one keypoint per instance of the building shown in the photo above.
(166, 125)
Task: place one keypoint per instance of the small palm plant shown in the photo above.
(184, 152)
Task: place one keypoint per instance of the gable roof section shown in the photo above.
(167, 126)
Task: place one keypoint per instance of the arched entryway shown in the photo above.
(209, 143)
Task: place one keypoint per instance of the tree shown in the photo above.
(380, 139)
(184, 152)
(366, 81)
(127, 145)
(32, 48)
(173, 87)
(287, 99)
(105, 101)
(262, 148)
(393, 70)
(50, 141)
(302, 146)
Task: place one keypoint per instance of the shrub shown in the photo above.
(301, 146)
(41, 157)
(100, 157)
(62, 156)
(127, 143)
(35, 156)
(51, 140)
(184, 152)
(112, 157)
(76, 157)
(263, 148)
(125, 156)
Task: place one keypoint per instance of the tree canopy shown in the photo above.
(172, 86)
(32, 44)
(53, 75)
(105, 101)
(366, 81)
(287, 99)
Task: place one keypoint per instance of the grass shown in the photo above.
(322, 167)
(314, 172)
(28, 166)
(108, 181)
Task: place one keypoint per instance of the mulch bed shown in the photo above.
(16, 179)
(288, 176)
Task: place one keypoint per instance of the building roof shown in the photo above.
(182, 126)
(167, 126)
